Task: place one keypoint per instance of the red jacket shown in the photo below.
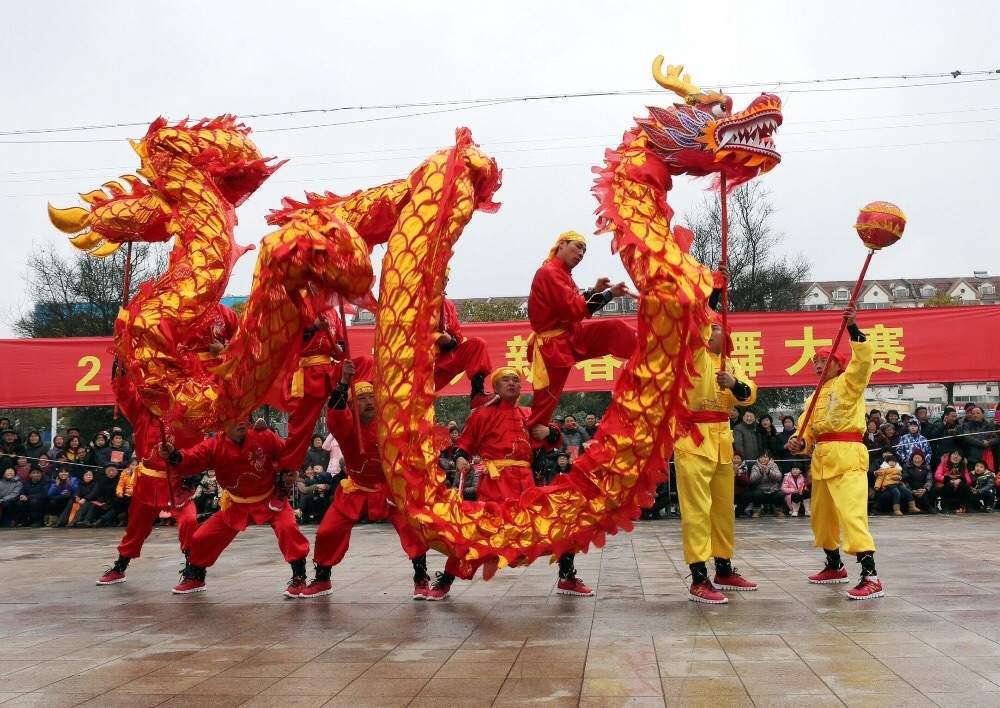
(942, 473)
(449, 320)
(365, 468)
(498, 431)
(245, 469)
(555, 303)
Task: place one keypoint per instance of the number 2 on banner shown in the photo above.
(84, 385)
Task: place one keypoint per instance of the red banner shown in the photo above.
(935, 345)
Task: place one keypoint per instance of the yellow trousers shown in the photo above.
(705, 489)
(840, 506)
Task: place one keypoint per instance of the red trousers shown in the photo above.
(212, 537)
(592, 339)
(334, 534)
(469, 356)
(141, 518)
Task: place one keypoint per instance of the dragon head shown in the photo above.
(216, 152)
(703, 135)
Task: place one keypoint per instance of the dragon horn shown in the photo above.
(69, 221)
(673, 81)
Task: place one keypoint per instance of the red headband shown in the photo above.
(838, 357)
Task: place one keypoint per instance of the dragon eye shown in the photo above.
(719, 110)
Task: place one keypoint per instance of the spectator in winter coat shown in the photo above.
(872, 443)
(765, 485)
(10, 448)
(10, 490)
(787, 432)
(119, 452)
(32, 500)
(61, 491)
(924, 420)
(875, 415)
(984, 486)
(978, 435)
(33, 446)
(100, 454)
(315, 493)
(741, 481)
(58, 447)
(911, 441)
(734, 418)
(76, 452)
(887, 437)
(573, 436)
(99, 508)
(747, 437)
(919, 479)
(590, 424)
(769, 436)
(890, 490)
(795, 489)
(84, 490)
(955, 483)
(22, 468)
(893, 417)
(206, 494)
(316, 455)
(942, 434)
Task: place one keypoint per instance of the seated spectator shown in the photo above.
(315, 490)
(954, 483)
(76, 452)
(100, 454)
(206, 494)
(919, 479)
(22, 468)
(58, 446)
(316, 454)
(33, 445)
(890, 490)
(741, 480)
(10, 491)
(32, 500)
(911, 441)
(119, 453)
(45, 465)
(795, 487)
(747, 437)
(10, 448)
(573, 436)
(765, 486)
(984, 487)
(978, 436)
(61, 491)
(590, 424)
(100, 507)
(84, 489)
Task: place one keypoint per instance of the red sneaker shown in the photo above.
(573, 586)
(733, 581)
(829, 576)
(421, 589)
(295, 586)
(439, 589)
(315, 589)
(111, 576)
(867, 589)
(188, 585)
(706, 592)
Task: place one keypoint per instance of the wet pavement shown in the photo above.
(511, 641)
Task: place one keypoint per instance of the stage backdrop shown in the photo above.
(936, 345)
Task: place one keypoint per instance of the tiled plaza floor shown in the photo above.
(931, 641)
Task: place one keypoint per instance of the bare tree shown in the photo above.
(761, 276)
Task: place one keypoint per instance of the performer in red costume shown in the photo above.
(561, 337)
(245, 462)
(499, 433)
(309, 387)
(458, 353)
(364, 490)
(211, 334)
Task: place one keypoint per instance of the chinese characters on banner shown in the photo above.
(775, 348)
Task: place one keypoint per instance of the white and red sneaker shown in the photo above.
(573, 586)
(295, 587)
(706, 592)
(734, 581)
(439, 589)
(188, 585)
(869, 588)
(315, 589)
(829, 576)
(421, 589)
(111, 576)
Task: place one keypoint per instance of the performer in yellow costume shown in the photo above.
(840, 464)
(703, 462)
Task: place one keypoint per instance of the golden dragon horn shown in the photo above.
(673, 81)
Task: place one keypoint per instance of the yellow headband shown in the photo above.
(566, 236)
(363, 387)
(501, 372)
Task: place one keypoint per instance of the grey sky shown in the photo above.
(88, 63)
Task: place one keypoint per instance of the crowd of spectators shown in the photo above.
(916, 465)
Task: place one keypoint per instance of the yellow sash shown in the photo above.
(207, 356)
(349, 486)
(299, 377)
(141, 469)
(539, 374)
(495, 467)
(228, 499)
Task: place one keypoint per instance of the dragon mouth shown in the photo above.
(750, 133)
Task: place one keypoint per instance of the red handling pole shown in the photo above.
(724, 266)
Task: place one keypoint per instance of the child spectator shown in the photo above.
(61, 491)
(33, 446)
(955, 483)
(206, 494)
(84, 489)
(984, 490)
(890, 490)
(765, 485)
(794, 487)
(741, 480)
(913, 440)
(33, 498)
(10, 490)
(919, 479)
